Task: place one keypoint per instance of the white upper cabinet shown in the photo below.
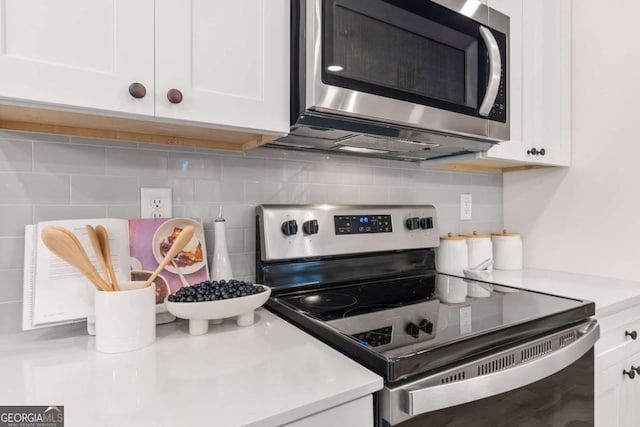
(540, 82)
(200, 63)
(226, 59)
(77, 53)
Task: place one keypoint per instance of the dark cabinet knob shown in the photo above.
(631, 373)
(137, 90)
(310, 227)
(289, 228)
(534, 151)
(632, 334)
(174, 96)
(413, 223)
(637, 369)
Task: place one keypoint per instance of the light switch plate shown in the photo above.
(466, 205)
(155, 203)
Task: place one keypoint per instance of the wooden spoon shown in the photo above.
(64, 243)
(97, 248)
(183, 238)
(103, 236)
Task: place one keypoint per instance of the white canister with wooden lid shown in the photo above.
(507, 251)
(452, 255)
(479, 248)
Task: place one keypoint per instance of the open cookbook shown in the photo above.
(56, 293)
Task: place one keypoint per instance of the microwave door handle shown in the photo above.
(417, 400)
(495, 69)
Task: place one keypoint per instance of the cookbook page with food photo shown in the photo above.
(149, 241)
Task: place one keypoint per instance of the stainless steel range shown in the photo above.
(363, 279)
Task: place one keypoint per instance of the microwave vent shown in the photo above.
(385, 144)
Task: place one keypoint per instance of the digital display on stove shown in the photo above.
(362, 224)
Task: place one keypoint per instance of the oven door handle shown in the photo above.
(415, 401)
(495, 69)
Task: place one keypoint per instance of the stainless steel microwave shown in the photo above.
(408, 79)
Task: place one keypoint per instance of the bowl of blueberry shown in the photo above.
(217, 300)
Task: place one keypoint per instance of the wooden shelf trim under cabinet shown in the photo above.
(42, 120)
(486, 165)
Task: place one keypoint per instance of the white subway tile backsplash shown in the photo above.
(370, 195)
(55, 212)
(338, 194)
(281, 192)
(10, 285)
(6, 135)
(219, 191)
(67, 158)
(194, 165)
(249, 239)
(79, 140)
(125, 211)
(104, 189)
(487, 181)
(11, 252)
(182, 189)
(14, 218)
(16, 155)
(23, 187)
(45, 177)
(126, 162)
(10, 317)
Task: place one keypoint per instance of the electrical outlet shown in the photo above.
(466, 206)
(155, 203)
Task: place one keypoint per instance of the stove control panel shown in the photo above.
(309, 231)
(361, 224)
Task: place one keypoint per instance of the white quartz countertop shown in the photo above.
(609, 295)
(266, 374)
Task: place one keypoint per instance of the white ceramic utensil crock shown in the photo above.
(507, 251)
(452, 256)
(479, 248)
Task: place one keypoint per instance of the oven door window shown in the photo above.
(414, 51)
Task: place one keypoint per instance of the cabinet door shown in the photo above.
(630, 395)
(357, 413)
(546, 74)
(228, 59)
(540, 87)
(77, 53)
(608, 392)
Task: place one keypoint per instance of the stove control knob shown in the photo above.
(289, 228)
(412, 329)
(426, 223)
(310, 227)
(413, 223)
(426, 326)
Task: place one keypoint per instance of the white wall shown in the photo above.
(586, 219)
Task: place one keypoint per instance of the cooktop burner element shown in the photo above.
(329, 300)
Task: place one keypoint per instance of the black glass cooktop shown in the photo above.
(402, 326)
(348, 301)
